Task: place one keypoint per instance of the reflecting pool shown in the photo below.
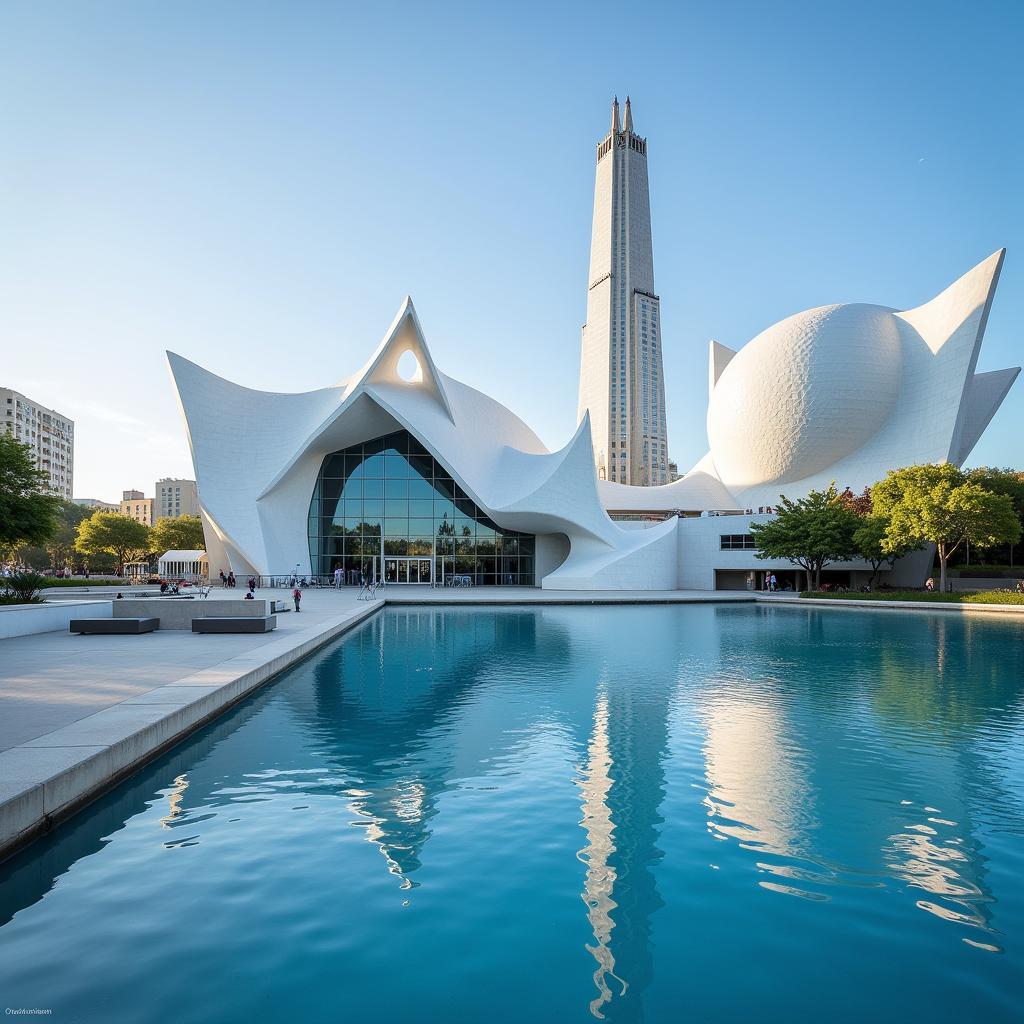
(707, 813)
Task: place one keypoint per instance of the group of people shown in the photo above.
(227, 579)
(771, 583)
(13, 567)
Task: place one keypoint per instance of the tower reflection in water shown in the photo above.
(622, 787)
(622, 783)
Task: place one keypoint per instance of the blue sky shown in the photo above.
(258, 185)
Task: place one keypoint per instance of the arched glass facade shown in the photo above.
(387, 509)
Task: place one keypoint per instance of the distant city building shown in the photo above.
(175, 498)
(673, 472)
(49, 434)
(103, 506)
(140, 509)
(621, 381)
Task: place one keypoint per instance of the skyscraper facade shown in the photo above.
(621, 382)
(50, 436)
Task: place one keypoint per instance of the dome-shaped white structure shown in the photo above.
(804, 394)
(839, 393)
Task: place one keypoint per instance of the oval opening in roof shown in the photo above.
(409, 367)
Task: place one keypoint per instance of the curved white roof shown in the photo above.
(836, 393)
(257, 454)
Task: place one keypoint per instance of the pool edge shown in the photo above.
(54, 777)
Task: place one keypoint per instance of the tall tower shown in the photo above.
(621, 380)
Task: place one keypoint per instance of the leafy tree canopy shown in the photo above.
(810, 532)
(870, 539)
(114, 534)
(183, 533)
(940, 504)
(1001, 481)
(28, 511)
(860, 503)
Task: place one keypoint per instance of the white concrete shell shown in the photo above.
(843, 393)
(837, 393)
(257, 455)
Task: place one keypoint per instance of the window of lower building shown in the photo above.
(737, 542)
(387, 509)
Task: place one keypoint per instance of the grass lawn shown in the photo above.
(982, 597)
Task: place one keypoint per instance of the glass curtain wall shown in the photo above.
(386, 508)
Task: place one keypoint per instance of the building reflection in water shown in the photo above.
(802, 763)
(175, 800)
(757, 788)
(402, 733)
(595, 785)
(622, 784)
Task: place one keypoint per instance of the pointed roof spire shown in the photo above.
(615, 114)
(627, 124)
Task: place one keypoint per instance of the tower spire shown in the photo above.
(622, 389)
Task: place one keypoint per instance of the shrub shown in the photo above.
(23, 587)
(995, 597)
(983, 597)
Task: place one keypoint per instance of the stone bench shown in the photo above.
(131, 626)
(234, 624)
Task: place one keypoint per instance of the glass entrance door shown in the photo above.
(408, 570)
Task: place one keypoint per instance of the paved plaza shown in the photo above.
(50, 680)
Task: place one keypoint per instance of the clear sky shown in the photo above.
(258, 185)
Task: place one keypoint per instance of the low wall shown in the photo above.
(960, 585)
(178, 613)
(74, 592)
(27, 619)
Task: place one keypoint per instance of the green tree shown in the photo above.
(1003, 481)
(870, 539)
(28, 511)
(811, 532)
(114, 534)
(59, 548)
(939, 504)
(183, 533)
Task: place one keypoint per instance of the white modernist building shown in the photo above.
(420, 478)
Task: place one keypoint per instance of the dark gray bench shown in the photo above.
(234, 624)
(125, 625)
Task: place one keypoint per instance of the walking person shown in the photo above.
(297, 597)
(337, 577)
(774, 584)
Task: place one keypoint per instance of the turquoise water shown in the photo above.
(704, 813)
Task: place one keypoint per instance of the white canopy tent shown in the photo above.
(184, 565)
